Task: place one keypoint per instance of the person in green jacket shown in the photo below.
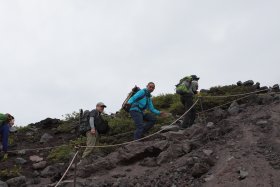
(6, 122)
(187, 88)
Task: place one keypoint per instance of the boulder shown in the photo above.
(35, 158)
(248, 83)
(100, 165)
(39, 165)
(275, 88)
(265, 99)
(3, 184)
(180, 135)
(20, 161)
(174, 151)
(219, 113)
(234, 108)
(207, 152)
(209, 178)
(264, 88)
(149, 162)
(17, 181)
(167, 128)
(46, 138)
(139, 150)
(243, 174)
(199, 169)
(210, 125)
(49, 171)
(239, 83)
(256, 86)
(21, 152)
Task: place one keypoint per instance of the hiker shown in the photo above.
(6, 122)
(139, 103)
(190, 87)
(92, 133)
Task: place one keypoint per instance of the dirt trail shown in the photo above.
(243, 150)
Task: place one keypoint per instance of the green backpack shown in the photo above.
(3, 118)
(184, 86)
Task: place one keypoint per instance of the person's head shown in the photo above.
(195, 85)
(100, 106)
(150, 87)
(10, 119)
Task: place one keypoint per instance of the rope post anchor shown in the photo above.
(75, 165)
(203, 114)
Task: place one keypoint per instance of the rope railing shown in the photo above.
(67, 169)
(233, 95)
(125, 143)
(229, 102)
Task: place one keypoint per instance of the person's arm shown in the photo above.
(91, 121)
(138, 94)
(152, 108)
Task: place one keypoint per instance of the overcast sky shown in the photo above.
(58, 56)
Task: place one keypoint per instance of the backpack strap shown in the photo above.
(138, 99)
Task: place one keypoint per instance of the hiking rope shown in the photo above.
(234, 95)
(224, 104)
(125, 143)
(36, 149)
(121, 134)
(67, 169)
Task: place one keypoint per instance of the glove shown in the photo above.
(5, 157)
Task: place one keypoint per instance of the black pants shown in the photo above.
(187, 101)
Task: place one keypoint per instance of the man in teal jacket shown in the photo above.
(139, 103)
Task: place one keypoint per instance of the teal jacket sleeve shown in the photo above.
(138, 94)
(152, 108)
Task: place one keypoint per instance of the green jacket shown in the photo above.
(3, 118)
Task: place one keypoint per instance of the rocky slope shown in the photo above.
(239, 146)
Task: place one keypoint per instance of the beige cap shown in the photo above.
(101, 104)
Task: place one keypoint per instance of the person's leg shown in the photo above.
(91, 141)
(187, 119)
(150, 120)
(192, 112)
(5, 137)
(182, 99)
(138, 120)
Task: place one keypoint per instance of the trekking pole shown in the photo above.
(80, 116)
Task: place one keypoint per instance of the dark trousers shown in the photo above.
(187, 101)
(4, 132)
(143, 123)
